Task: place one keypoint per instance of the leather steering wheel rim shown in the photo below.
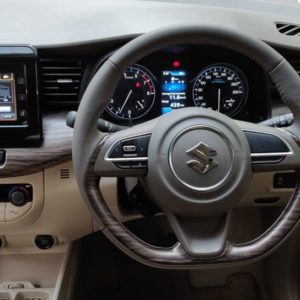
(88, 141)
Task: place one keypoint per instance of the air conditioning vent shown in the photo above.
(60, 80)
(64, 173)
(288, 29)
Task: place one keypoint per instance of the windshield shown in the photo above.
(283, 7)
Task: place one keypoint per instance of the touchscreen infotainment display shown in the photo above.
(20, 119)
(8, 109)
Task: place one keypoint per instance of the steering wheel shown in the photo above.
(195, 164)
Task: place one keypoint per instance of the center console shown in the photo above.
(20, 121)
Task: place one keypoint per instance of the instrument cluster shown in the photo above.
(201, 76)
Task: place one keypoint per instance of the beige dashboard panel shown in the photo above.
(64, 205)
(36, 207)
(261, 188)
(57, 210)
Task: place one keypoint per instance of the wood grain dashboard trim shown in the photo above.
(56, 148)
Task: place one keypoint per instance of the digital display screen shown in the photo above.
(8, 109)
(173, 90)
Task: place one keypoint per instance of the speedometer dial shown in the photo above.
(134, 95)
(221, 87)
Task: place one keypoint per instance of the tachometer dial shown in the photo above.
(134, 95)
(221, 87)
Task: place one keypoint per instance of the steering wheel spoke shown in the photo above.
(272, 149)
(125, 153)
(201, 237)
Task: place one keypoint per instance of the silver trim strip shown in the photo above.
(274, 154)
(127, 159)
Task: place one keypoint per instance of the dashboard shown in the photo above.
(191, 76)
(204, 76)
(210, 77)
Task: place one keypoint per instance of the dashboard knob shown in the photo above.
(44, 241)
(18, 196)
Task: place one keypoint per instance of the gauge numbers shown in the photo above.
(134, 95)
(221, 87)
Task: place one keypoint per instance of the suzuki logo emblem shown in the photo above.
(202, 161)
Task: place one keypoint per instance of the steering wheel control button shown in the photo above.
(138, 164)
(190, 162)
(130, 153)
(129, 148)
(116, 152)
(44, 242)
(143, 144)
(123, 164)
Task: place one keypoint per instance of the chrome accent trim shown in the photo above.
(274, 154)
(202, 161)
(214, 186)
(127, 159)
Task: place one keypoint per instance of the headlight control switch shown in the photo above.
(15, 201)
(18, 196)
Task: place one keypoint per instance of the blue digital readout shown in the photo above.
(173, 90)
(218, 80)
(175, 84)
(174, 87)
(165, 110)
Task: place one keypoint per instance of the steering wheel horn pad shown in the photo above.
(199, 163)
